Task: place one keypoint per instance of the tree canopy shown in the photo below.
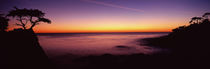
(34, 16)
(196, 19)
(206, 15)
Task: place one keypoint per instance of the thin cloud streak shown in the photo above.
(113, 5)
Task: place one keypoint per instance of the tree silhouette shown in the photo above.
(3, 23)
(196, 20)
(179, 29)
(205, 15)
(34, 16)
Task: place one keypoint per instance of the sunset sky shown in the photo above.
(76, 16)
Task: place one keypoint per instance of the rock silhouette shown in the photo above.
(20, 48)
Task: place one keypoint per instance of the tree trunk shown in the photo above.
(24, 27)
(33, 24)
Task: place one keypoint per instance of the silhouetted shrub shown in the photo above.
(3, 23)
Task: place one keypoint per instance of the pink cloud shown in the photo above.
(113, 5)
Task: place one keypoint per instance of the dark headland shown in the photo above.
(188, 44)
(21, 50)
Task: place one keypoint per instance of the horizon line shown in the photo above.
(104, 32)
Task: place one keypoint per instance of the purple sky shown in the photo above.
(112, 15)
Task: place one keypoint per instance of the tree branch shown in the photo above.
(18, 24)
(21, 21)
(33, 23)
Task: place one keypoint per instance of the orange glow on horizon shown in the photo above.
(102, 27)
(115, 24)
(97, 30)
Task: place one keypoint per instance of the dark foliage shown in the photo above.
(3, 23)
(34, 16)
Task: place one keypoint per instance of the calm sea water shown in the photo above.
(96, 44)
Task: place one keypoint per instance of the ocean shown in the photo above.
(58, 44)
